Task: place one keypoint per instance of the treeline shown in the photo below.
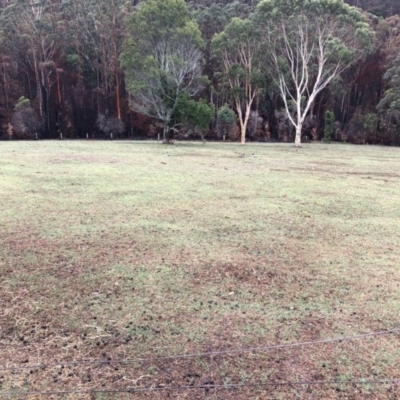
(76, 69)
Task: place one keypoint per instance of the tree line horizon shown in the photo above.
(250, 70)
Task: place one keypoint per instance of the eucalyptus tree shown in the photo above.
(240, 60)
(239, 9)
(213, 17)
(162, 59)
(98, 34)
(33, 34)
(212, 20)
(389, 106)
(109, 29)
(8, 73)
(309, 44)
(382, 8)
(192, 117)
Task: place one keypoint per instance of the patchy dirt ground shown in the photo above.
(113, 254)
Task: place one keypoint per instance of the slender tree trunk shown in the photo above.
(243, 126)
(5, 85)
(97, 93)
(297, 141)
(38, 88)
(246, 121)
(117, 89)
(242, 121)
(46, 102)
(116, 57)
(60, 107)
(59, 89)
(165, 133)
(242, 133)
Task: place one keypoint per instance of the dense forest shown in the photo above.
(86, 69)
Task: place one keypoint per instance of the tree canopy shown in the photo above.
(162, 58)
(238, 51)
(142, 68)
(310, 43)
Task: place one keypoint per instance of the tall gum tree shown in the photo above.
(239, 53)
(36, 38)
(97, 31)
(162, 59)
(389, 106)
(309, 43)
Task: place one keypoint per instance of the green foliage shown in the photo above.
(157, 20)
(73, 60)
(162, 58)
(193, 114)
(226, 120)
(236, 34)
(24, 120)
(65, 56)
(350, 34)
(212, 20)
(309, 43)
(226, 116)
(389, 106)
(22, 104)
(238, 52)
(347, 31)
(329, 121)
(381, 8)
(390, 103)
(369, 122)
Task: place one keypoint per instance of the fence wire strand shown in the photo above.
(204, 354)
(205, 387)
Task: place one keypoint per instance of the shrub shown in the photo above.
(329, 125)
(25, 122)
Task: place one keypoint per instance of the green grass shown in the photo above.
(127, 249)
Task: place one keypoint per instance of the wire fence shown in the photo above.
(204, 354)
(205, 387)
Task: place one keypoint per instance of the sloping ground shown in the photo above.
(114, 251)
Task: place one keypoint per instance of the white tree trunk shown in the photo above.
(243, 121)
(246, 121)
(297, 141)
(242, 134)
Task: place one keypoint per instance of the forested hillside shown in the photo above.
(207, 68)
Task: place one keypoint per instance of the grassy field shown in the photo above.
(125, 250)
